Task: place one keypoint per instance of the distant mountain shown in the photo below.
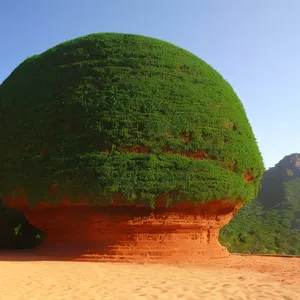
(281, 190)
(271, 223)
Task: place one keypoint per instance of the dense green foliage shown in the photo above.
(69, 116)
(254, 230)
(281, 190)
(271, 223)
(292, 205)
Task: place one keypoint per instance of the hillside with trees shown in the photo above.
(271, 223)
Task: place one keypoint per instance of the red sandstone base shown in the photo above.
(184, 233)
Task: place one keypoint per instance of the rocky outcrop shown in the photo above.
(131, 233)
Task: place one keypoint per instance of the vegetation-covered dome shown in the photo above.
(120, 114)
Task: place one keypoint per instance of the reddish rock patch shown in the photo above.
(135, 149)
(131, 233)
(200, 155)
(186, 138)
(248, 177)
(67, 126)
(194, 155)
(139, 149)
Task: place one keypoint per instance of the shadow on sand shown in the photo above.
(45, 255)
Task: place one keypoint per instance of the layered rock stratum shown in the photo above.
(131, 233)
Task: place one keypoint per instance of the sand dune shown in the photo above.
(233, 278)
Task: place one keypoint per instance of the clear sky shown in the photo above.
(254, 44)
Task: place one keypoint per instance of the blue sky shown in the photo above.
(254, 44)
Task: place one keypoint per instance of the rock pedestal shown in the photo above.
(184, 233)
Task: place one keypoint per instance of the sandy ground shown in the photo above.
(234, 278)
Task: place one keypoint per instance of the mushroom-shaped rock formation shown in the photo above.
(125, 146)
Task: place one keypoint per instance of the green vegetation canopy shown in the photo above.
(118, 113)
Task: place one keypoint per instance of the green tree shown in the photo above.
(127, 114)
